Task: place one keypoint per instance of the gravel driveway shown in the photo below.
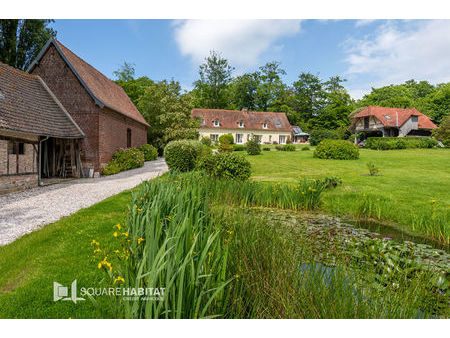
(27, 211)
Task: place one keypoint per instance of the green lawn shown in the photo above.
(59, 252)
(408, 181)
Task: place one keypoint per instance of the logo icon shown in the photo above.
(60, 292)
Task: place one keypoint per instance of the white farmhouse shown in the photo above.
(267, 127)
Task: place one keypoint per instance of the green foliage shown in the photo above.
(305, 148)
(389, 143)
(443, 133)
(150, 152)
(206, 141)
(228, 137)
(22, 40)
(253, 147)
(266, 149)
(211, 90)
(124, 159)
(225, 146)
(227, 165)
(318, 135)
(337, 150)
(182, 155)
(238, 147)
(167, 110)
(134, 88)
(287, 147)
(373, 170)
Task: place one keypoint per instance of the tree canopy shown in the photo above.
(21, 40)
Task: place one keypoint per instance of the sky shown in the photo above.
(368, 53)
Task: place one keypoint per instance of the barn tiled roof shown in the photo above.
(391, 120)
(104, 91)
(27, 105)
(229, 119)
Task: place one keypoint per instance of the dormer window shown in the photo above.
(241, 124)
(278, 124)
(202, 120)
(216, 123)
(265, 125)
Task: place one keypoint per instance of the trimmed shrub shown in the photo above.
(124, 159)
(337, 150)
(227, 165)
(278, 148)
(266, 149)
(112, 168)
(253, 147)
(305, 148)
(288, 147)
(318, 135)
(183, 155)
(388, 143)
(228, 137)
(238, 147)
(150, 152)
(206, 141)
(129, 158)
(225, 146)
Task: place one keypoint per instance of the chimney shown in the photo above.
(245, 110)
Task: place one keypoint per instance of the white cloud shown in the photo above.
(418, 51)
(364, 22)
(240, 41)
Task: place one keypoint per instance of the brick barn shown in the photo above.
(98, 105)
(31, 119)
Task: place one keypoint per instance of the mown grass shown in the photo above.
(59, 252)
(412, 189)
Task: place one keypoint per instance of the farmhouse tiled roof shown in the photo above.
(104, 91)
(253, 120)
(27, 105)
(388, 116)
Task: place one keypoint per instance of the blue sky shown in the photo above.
(368, 53)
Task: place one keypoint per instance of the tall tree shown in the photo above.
(21, 40)
(243, 91)
(271, 87)
(308, 96)
(167, 110)
(211, 90)
(134, 88)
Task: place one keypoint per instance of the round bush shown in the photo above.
(150, 152)
(253, 147)
(206, 141)
(337, 150)
(225, 146)
(228, 137)
(227, 165)
(129, 158)
(182, 155)
(318, 135)
(112, 168)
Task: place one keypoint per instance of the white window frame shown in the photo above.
(239, 138)
(216, 123)
(280, 137)
(241, 124)
(214, 137)
(202, 121)
(265, 125)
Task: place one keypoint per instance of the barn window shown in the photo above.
(15, 148)
(128, 138)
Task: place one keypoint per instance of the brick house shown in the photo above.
(267, 127)
(392, 122)
(98, 105)
(31, 115)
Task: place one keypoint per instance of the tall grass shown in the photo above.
(219, 261)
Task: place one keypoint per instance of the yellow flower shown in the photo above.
(169, 217)
(117, 226)
(119, 279)
(100, 265)
(116, 251)
(97, 250)
(139, 209)
(433, 201)
(125, 234)
(115, 234)
(94, 242)
(140, 240)
(313, 190)
(179, 188)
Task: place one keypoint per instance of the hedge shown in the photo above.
(150, 152)
(182, 155)
(388, 143)
(337, 150)
(124, 159)
(226, 165)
